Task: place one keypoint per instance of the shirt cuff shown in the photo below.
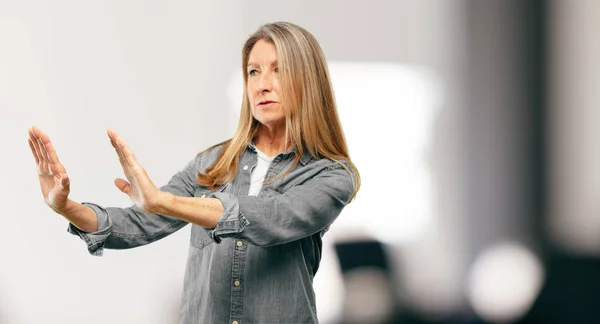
(94, 240)
(232, 221)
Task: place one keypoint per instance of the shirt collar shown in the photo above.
(304, 160)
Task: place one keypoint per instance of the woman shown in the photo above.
(259, 203)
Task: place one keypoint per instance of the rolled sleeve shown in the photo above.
(301, 211)
(124, 228)
(94, 240)
(232, 222)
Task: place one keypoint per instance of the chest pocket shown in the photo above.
(199, 237)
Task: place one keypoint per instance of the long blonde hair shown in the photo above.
(312, 122)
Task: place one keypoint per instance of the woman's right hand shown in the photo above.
(53, 177)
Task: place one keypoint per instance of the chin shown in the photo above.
(271, 121)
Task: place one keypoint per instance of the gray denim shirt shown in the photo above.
(257, 265)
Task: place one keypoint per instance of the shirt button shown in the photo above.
(239, 243)
(245, 167)
(234, 322)
(237, 283)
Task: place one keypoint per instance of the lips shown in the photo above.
(266, 102)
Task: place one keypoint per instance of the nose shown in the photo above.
(266, 83)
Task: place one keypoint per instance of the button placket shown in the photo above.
(237, 276)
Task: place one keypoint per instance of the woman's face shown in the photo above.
(263, 85)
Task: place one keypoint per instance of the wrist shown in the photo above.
(66, 209)
(162, 203)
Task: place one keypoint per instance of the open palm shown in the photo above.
(55, 183)
(52, 175)
(138, 186)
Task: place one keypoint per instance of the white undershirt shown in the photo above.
(258, 173)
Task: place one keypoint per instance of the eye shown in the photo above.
(252, 72)
(276, 69)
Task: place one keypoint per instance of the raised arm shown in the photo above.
(112, 227)
(55, 183)
(300, 211)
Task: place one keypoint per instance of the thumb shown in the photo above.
(65, 183)
(123, 185)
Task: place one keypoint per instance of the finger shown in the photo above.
(123, 185)
(57, 169)
(45, 164)
(35, 131)
(65, 182)
(31, 134)
(49, 148)
(34, 142)
(42, 150)
(114, 145)
(35, 136)
(43, 140)
(122, 148)
(126, 151)
(126, 167)
(128, 155)
(119, 153)
(112, 137)
(37, 159)
(42, 163)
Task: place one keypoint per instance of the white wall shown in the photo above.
(575, 115)
(157, 72)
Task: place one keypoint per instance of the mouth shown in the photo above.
(266, 103)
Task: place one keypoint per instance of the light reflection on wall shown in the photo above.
(387, 111)
(574, 120)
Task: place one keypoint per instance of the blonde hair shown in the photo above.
(312, 122)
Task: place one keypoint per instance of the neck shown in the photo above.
(271, 141)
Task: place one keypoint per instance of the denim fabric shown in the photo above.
(257, 265)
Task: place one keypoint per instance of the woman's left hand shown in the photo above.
(139, 187)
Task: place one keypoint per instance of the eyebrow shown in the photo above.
(274, 63)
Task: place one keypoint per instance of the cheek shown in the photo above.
(250, 94)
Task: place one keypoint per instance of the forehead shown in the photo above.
(262, 53)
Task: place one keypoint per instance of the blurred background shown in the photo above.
(474, 124)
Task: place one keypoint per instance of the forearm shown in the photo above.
(204, 212)
(299, 212)
(83, 217)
